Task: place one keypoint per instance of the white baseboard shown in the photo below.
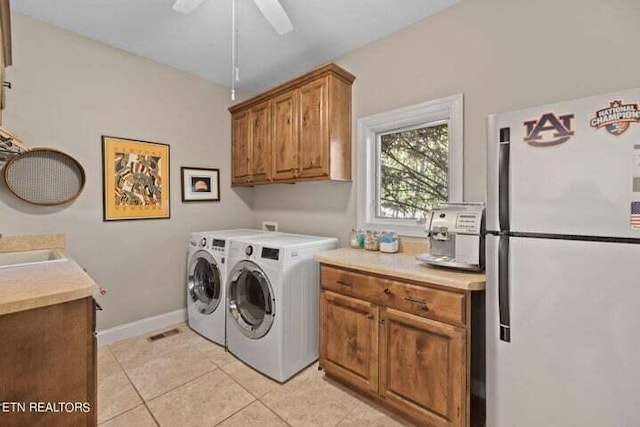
(478, 388)
(141, 327)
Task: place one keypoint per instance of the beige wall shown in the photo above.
(68, 91)
(502, 54)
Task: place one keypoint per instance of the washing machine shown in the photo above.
(273, 302)
(206, 280)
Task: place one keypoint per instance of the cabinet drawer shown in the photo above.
(354, 284)
(427, 302)
(424, 301)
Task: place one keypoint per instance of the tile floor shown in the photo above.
(185, 380)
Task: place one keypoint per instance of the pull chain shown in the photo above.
(235, 71)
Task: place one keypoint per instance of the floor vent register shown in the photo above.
(164, 334)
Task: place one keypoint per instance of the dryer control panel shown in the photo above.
(217, 245)
(270, 253)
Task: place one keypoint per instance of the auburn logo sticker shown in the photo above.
(549, 130)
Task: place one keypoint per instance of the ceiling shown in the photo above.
(200, 42)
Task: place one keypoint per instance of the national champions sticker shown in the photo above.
(616, 118)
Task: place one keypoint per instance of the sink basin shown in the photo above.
(29, 258)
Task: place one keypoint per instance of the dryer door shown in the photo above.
(251, 300)
(205, 283)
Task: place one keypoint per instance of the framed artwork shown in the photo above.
(135, 179)
(200, 184)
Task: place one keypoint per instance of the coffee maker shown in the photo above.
(456, 238)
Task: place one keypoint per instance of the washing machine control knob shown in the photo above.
(248, 250)
(203, 242)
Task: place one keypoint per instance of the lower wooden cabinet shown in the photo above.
(416, 365)
(48, 356)
(349, 339)
(422, 367)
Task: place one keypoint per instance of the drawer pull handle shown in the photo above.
(415, 300)
(387, 291)
(340, 282)
(370, 316)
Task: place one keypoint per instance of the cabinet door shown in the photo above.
(92, 372)
(47, 355)
(260, 143)
(422, 368)
(3, 94)
(240, 148)
(314, 130)
(349, 340)
(285, 136)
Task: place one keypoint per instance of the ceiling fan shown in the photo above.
(271, 9)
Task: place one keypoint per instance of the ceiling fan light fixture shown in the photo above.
(186, 6)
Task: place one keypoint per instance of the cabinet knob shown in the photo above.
(387, 291)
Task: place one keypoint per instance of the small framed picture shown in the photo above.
(200, 184)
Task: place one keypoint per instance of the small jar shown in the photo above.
(389, 242)
(354, 239)
(361, 238)
(371, 241)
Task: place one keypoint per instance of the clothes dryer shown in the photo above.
(273, 302)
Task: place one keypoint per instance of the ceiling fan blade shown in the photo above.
(186, 6)
(275, 14)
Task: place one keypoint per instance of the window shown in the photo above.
(408, 161)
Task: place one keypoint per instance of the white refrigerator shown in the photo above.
(563, 264)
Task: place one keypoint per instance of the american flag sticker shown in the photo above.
(635, 215)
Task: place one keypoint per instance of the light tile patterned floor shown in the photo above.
(185, 380)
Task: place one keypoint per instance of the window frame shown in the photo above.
(449, 109)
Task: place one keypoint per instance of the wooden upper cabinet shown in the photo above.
(260, 143)
(411, 345)
(285, 136)
(351, 352)
(310, 132)
(5, 32)
(313, 134)
(5, 47)
(240, 148)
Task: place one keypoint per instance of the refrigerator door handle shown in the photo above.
(503, 179)
(503, 289)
